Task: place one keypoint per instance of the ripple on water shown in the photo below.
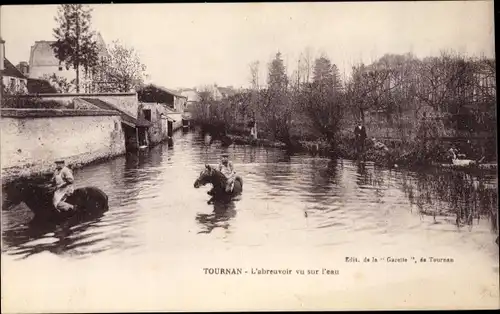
(287, 201)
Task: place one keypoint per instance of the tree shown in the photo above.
(277, 104)
(368, 87)
(254, 73)
(277, 79)
(122, 71)
(61, 84)
(305, 65)
(322, 100)
(75, 44)
(326, 75)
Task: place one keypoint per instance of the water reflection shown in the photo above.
(297, 197)
(463, 195)
(59, 239)
(219, 218)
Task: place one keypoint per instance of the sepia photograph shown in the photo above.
(249, 156)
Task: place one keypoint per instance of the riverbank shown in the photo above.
(398, 156)
(40, 170)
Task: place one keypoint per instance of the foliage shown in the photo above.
(417, 103)
(75, 45)
(61, 84)
(121, 71)
(20, 102)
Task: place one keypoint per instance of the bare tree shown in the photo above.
(368, 87)
(306, 65)
(122, 71)
(254, 73)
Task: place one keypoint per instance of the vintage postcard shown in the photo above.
(249, 156)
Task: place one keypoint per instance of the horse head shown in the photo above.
(37, 197)
(204, 177)
(210, 175)
(13, 194)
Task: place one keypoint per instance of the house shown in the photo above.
(213, 90)
(43, 62)
(217, 92)
(12, 79)
(191, 95)
(157, 94)
(135, 129)
(164, 108)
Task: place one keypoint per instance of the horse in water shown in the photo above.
(218, 180)
(89, 201)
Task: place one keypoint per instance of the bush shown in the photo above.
(30, 103)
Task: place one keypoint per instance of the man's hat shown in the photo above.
(225, 154)
(60, 161)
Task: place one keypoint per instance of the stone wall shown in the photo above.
(125, 101)
(32, 139)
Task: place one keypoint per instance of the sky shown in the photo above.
(187, 45)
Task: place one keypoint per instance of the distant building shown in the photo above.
(13, 80)
(191, 95)
(157, 94)
(43, 62)
(218, 92)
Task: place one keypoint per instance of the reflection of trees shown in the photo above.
(219, 218)
(324, 176)
(121, 178)
(277, 172)
(456, 193)
(369, 176)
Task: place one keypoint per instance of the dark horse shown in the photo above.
(90, 201)
(218, 180)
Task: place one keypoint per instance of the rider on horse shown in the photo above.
(226, 167)
(63, 180)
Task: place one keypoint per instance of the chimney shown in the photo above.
(23, 67)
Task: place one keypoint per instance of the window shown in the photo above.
(147, 114)
(22, 86)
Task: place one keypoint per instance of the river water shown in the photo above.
(150, 249)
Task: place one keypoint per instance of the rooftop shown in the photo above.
(127, 118)
(11, 70)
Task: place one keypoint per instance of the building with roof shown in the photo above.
(164, 108)
(12, 79)
(152, 93)
(43, 62)
(191, 95)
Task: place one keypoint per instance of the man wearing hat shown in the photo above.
(226, 167)
(63, 180)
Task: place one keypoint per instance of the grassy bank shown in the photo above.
(399, 152)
